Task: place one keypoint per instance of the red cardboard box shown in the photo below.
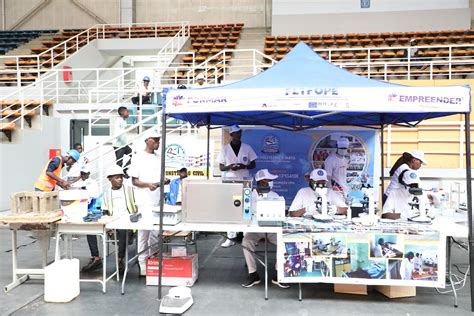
(177, 271)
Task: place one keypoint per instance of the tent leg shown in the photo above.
(162, 202)
(382, 161)
(467, 130)
(208, 147)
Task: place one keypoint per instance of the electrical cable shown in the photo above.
(23, 245)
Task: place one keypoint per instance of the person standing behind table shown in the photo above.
(407, 267)
(264, 181)
(235, 160)
(120, 142)
(176, 185)
(398, 203)
(304, 202)
(146, 175)
(336, 168)
(51, 174)
(117, 201)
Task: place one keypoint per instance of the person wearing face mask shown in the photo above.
(235, 160)
(336, 168)
(264, 187)
(305, 200)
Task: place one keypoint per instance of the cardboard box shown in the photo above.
(177, 271)
(392, 291)
(357, 289)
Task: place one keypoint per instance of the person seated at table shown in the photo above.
(305, 200)
(264, 181)
(117, 201)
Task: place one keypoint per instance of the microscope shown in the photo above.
(368, 204)
(322, 205)
(418, 206)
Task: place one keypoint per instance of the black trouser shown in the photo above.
(145, 100)
(120, 152)
(122, 243)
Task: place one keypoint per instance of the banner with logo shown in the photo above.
(397, 99)
(187, 153)
(292, 154)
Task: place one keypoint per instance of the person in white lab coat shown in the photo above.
(336, 167)
(264, 181)
(407, 267)
(235, 160)
(145, 171)
(305, 200)
(398, 202)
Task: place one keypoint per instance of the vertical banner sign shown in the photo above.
(292, 154)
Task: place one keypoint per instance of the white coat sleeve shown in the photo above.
(252, 155)
(297, 202)
(221, 157)
(328, 166)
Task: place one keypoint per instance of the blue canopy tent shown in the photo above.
(304, 91)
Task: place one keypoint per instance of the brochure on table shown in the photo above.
(381, 255)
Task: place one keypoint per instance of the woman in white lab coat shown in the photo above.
(396, 197)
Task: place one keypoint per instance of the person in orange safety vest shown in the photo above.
(51, 174)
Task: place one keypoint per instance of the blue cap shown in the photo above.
(146, 78)
(74, 154)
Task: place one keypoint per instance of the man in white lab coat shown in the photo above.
(235, 160)
(264, 187)
(336, 167)
(305, 200)
(145, 171)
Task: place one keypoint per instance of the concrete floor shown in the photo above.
(217, 292)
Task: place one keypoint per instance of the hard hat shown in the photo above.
(418, 154)
(200, 76)
(152, 133)
(234, 129)
(411, 177)
(343, 143)
(74, 154)
(85, 169)
(114, 170)
(318, 174)
(146, 78)
(264, 174)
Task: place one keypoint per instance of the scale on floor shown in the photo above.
(171, 214)
(177, 301)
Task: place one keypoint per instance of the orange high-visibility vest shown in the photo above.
(45, 183)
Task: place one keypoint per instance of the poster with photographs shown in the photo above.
(411, 257)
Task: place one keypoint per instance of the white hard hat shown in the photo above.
(234, 129)
(180, 292)
(264, 174)
(152, 133)
(343, 143)
(200, 76)
(318, 174)
(114, 170)
(85, 169)
(410, 177)
(418, 154)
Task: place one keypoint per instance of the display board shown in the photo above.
(386, 254)
(189, 153)
(291, 154)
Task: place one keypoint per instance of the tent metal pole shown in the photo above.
(208, 146)
(382, 161)
(162, 203)
(467, 130)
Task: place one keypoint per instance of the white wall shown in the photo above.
(21, 164)
(346, 16)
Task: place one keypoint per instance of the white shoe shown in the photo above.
(142, 266)
(228, 243)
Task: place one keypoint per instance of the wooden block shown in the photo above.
(358, 289)
(392, 291)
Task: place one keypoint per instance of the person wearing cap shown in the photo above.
(398, 202)
(264, 186)
(409, 161)
(304, 202)
(87, 183)
(200, 80)
(235, 160)
(175, 194)
(74, 173)
(145, 171)
(407, 267)
(118, 200)
(144, 92)
(336, 168)
(51, 174)
(120, 142)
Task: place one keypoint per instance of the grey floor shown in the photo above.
(217, 292)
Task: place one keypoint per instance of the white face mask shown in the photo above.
(342, 151)
(270, 184)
